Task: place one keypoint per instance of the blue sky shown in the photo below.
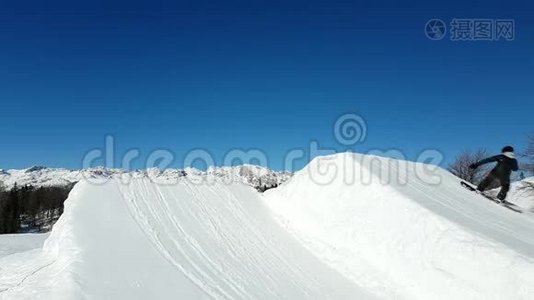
(271, 75)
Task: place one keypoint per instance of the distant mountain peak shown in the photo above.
(35, 169)
(255, 176)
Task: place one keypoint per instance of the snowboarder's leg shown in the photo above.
(486, 182)
(505, 187)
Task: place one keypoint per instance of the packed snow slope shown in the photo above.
(16, 243)
(407, 230)
(521, 193)
(186, 240)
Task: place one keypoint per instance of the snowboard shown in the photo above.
(504, 203)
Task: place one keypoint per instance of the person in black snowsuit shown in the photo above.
(506, 163)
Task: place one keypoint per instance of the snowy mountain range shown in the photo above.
(37, 176)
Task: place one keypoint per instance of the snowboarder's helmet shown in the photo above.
(508, 149)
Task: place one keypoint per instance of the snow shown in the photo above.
(522, 197)
(15, 243)
(400, 236)
(141, 240)
(38, 176)
(347, 226)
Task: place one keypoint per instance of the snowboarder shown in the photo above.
(506, 163)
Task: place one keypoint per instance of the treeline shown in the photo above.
(30, 209)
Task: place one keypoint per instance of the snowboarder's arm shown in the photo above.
(515, 167)
(487, 160)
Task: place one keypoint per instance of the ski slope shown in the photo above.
(347, 226)
(520, 194)
(181, 241)
(405, 230)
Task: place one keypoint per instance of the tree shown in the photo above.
(460, 166)
(30, 209)
(527, 186)
(3, 212)
(529, 155)
(10, 211)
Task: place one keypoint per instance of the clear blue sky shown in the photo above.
(271, 75)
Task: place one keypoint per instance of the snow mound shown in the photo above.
(522, 193)
(142, 240)
(347, 226)
(405, 230)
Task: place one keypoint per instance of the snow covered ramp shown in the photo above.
(404, 230)
(183, 241)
